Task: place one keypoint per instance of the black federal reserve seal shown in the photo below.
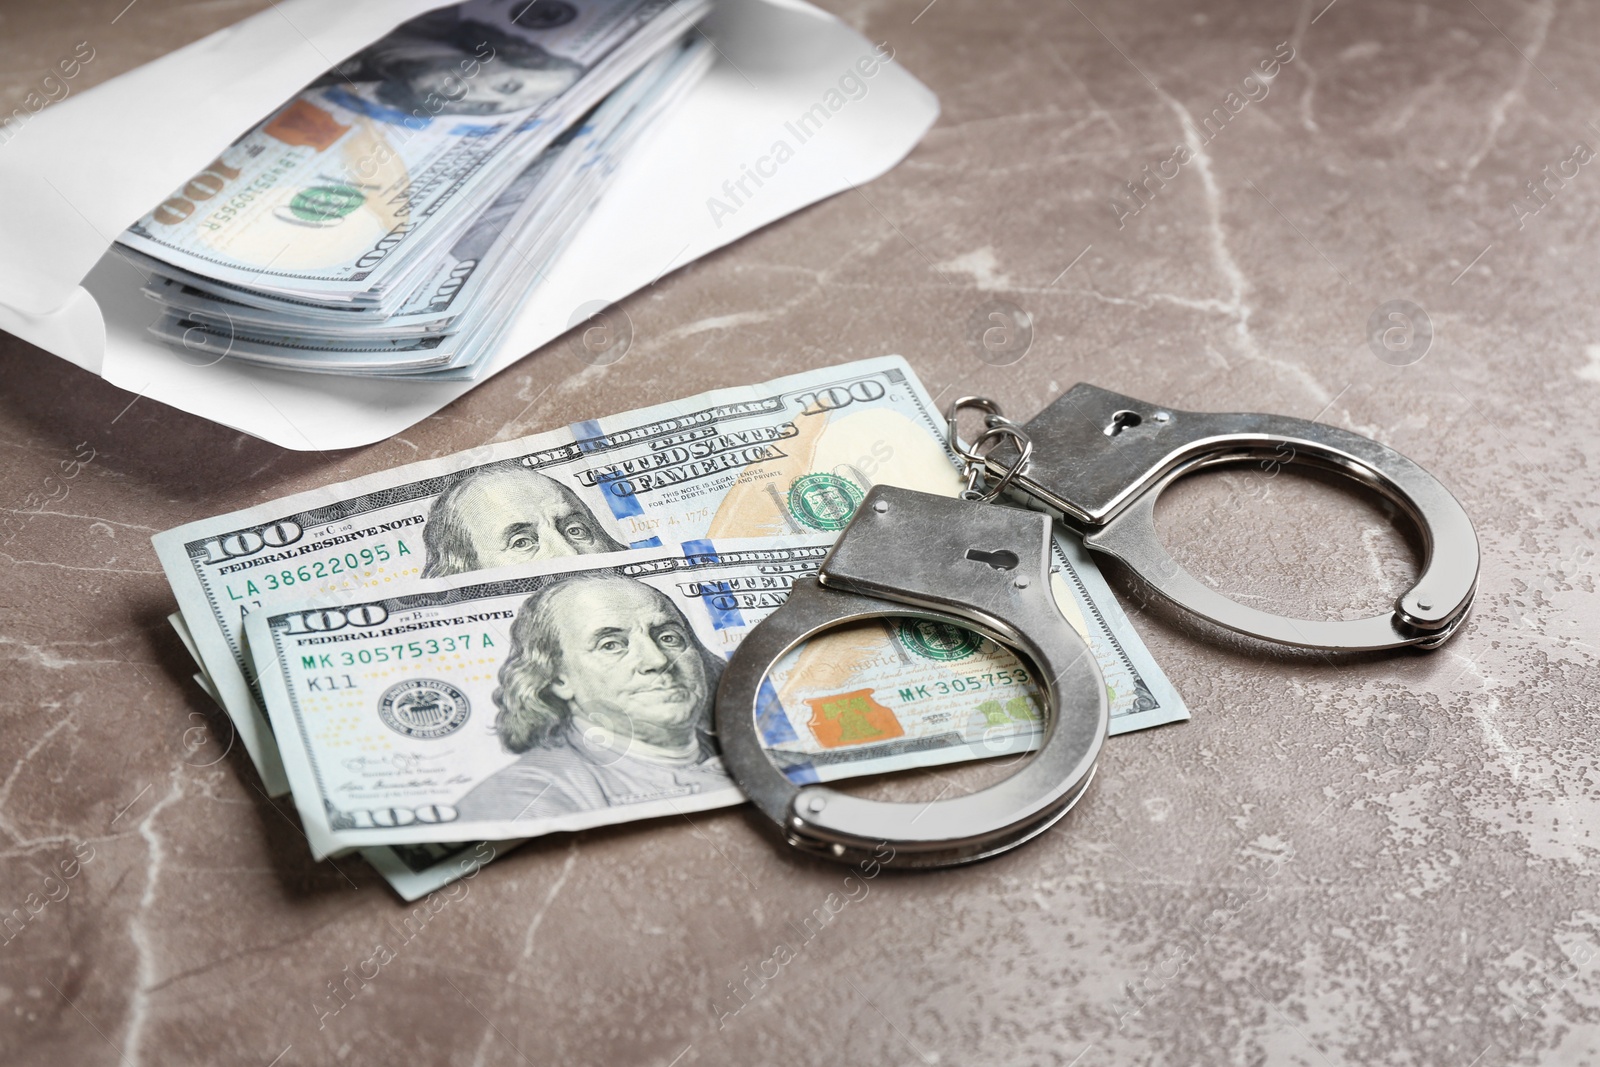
(424, 708)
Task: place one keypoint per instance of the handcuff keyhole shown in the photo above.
(1122, 420)
(1003, 560)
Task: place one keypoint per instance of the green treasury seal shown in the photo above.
(326, 203)
(938, 640)
(824, 501)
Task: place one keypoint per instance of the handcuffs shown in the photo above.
(1098, 461)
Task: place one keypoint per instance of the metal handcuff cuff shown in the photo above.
(1098, 461)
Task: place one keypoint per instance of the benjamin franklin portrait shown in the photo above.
(503, 514)
(444, 64)
(607, 696)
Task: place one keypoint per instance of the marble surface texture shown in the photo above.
(1385, 859)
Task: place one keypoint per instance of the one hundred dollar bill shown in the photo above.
(342, 192)
(574, 694)
(795, 455)
(976, 700)
(579, 693)
(461, 273)
(453, 318)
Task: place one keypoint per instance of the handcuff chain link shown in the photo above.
(974, 458)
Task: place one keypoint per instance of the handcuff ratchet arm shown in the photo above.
(911, 554)
(1101, 460)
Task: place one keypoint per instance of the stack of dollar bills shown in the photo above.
(391, 217)
(444, 659)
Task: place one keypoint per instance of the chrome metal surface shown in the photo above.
(975, 457)
(914, 555)
(1101, 460)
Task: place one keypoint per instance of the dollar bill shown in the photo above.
(455, 316)
(414, 871)
(795, 455)
(943, 694)
(592, 679)
(790, 456)
(803, 683)
(341, 194)
(371, 700)
(835, 435)
(578, 693)
(974, 676)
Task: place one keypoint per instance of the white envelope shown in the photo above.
(80, 171)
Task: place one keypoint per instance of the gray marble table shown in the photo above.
(1388, 859)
